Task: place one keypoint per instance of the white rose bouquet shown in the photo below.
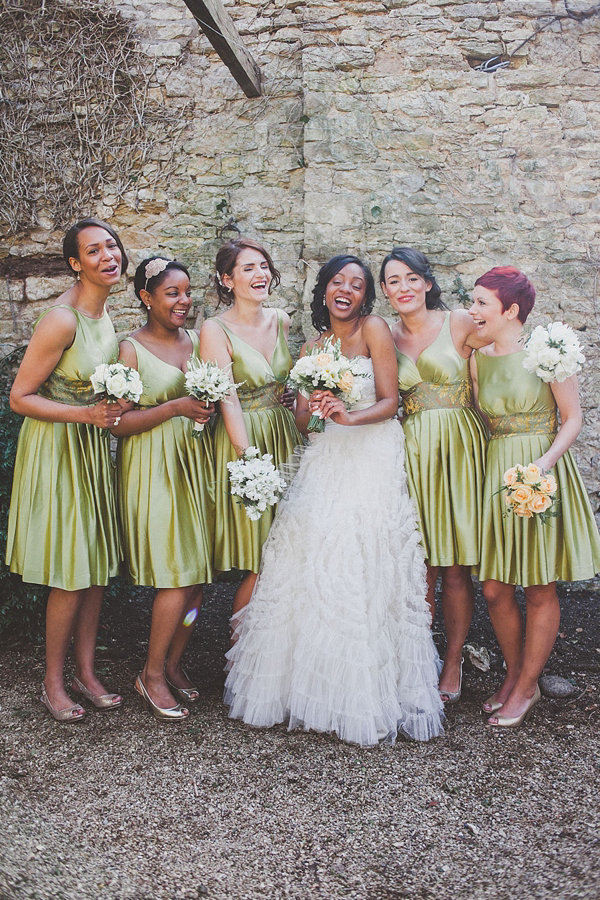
(529, 492)
(206, 381)
(256, 481)
(553, 352)
(325, 369)
(114, 381)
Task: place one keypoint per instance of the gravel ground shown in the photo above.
(120, 806)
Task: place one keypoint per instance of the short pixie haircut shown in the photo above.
(71, 241)
(418, 263)
(226, 260)
(510, 286)
(319, 313)
(141, 283)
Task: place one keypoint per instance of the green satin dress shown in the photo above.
(523, 419)
(62, 527)
(165, 487)
(445, 450)
(271, 428)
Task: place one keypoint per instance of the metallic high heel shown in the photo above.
(102, 701)
(517, 721)
(188, 695)
(493, 705)
(453, 696)
(73, 713)
(172, 714)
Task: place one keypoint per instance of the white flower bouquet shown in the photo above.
(207, 382)
(117, 382)
(529, 492)
(553, 352)
(256, 481)
(325, 369)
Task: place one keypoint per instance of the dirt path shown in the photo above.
(119, 806)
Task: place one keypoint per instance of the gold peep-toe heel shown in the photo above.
(73, 713)
(102, 701)
(450, 697)
(172, 714)
(517, 721)
(493, 706)
(188, 695)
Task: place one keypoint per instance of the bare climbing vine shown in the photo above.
(81, 113)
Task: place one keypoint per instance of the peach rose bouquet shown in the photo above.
(325, 369)
(529, 492)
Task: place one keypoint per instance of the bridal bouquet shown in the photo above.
(256, 481)
(325, 369)
(117, 382)
(207, 382)
(529, 492)
(553, 352)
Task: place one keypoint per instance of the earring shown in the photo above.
(78, 277)
(148, 306)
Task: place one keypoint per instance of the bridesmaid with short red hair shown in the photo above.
(521, 410)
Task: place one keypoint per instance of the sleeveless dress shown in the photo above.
(62, 527)
(165, 487)
(270, 427)
(336, 637)
(445, 450)
(522, 413)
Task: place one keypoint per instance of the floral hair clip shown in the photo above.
(155, 267)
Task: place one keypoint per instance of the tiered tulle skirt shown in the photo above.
(337, 637)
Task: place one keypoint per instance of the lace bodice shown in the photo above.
(362, 367)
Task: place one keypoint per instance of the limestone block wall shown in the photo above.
(375, 128)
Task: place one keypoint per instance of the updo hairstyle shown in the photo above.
(71, 242)
(417, 262)
(141, 283)
(225, 264)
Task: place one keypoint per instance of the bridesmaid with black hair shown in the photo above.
(62, 528)
(445, 441)
(165, 483)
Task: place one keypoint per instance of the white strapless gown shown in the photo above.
(336, 637)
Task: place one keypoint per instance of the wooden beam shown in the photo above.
(216, 23)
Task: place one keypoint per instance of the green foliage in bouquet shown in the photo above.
(22, 606)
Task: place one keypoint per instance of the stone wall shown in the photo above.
(375, 129)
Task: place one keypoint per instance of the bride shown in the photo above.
(336, 637)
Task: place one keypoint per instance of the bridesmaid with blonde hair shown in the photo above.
(249, 340)
(62, 528)
(522, 410)
(445, 441)
(165, 483)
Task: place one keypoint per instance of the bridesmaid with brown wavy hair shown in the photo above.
(251, 340)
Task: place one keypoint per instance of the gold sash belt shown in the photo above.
(423, 396)
(266, 397)
(68, 390)
(544, 422)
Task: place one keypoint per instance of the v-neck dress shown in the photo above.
(522, 413)
(165, 487)
(270, 427)
(62, 528)
(445, 450)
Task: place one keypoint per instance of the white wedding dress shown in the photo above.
(336, 637)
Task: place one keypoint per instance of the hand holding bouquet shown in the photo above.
(325, 369)
(529, 492)
(115, 382)
(207, 382)
(553, 352)
(256, 481)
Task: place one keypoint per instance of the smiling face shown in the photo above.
(345, 293)
(405, 289)
(251, 276)
(99, 259)
(489, 314)
(170, 301)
